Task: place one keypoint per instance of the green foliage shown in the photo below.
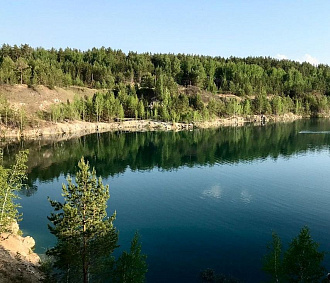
(301, 262)
(46, 267)
(98, 105)
(101, 67)
(247, 108)
(261, 104)
(85, 235)
(11, 181)
(7, 71)
(6, 113)
(22, 118)
(273, 261)
(21, 67)
(141, 110)
(277, 105)
(131, 266)
(138, 81)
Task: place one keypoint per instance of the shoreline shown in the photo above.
(72, 129)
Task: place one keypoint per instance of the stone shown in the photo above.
(28, 242)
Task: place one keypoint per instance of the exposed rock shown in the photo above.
(29, 242)
(16, 269)
(72, 129)
(18, 262)
(240, 121)
(14, 228)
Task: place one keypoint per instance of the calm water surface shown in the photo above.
(201, 199)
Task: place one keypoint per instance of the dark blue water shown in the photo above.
(202, 199)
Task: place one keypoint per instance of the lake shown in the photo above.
(200, 199)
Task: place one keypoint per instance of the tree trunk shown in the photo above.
(84, 255)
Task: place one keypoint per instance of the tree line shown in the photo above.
(168, 87)
(177, 107)
(105, 67)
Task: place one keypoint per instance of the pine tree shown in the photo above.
(21, 65)
(11, 180)
(131, 267)
(85, 235)
(141, 110)
(302, 261)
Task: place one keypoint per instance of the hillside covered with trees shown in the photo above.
(166, 87)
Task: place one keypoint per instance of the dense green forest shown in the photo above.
(169, 87)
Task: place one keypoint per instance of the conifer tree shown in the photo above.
(85, 235)
(21, 66)
(141, 110)
(131, 267)
(301, 262)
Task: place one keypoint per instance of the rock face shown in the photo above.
(18, 263)
(72, 129)
(20, 247)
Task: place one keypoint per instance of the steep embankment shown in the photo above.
(39, 99)
(18, 263)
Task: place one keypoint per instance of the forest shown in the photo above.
(168, 87)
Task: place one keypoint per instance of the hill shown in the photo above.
(35, 100)
(40, 87)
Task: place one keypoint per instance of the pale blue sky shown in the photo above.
(298, 30)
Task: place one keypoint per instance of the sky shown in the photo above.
(290, 29)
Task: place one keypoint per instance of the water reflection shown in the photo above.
(207, 198)
(214, 192)
(246, 197)
(112, 153)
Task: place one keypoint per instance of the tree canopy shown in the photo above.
(11, 181)
(103, 67)
(86, 237)
(301, 262)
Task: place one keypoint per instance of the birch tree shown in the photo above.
(11, 181)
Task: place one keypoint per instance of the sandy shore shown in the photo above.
(73, 129)
(78, 128)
